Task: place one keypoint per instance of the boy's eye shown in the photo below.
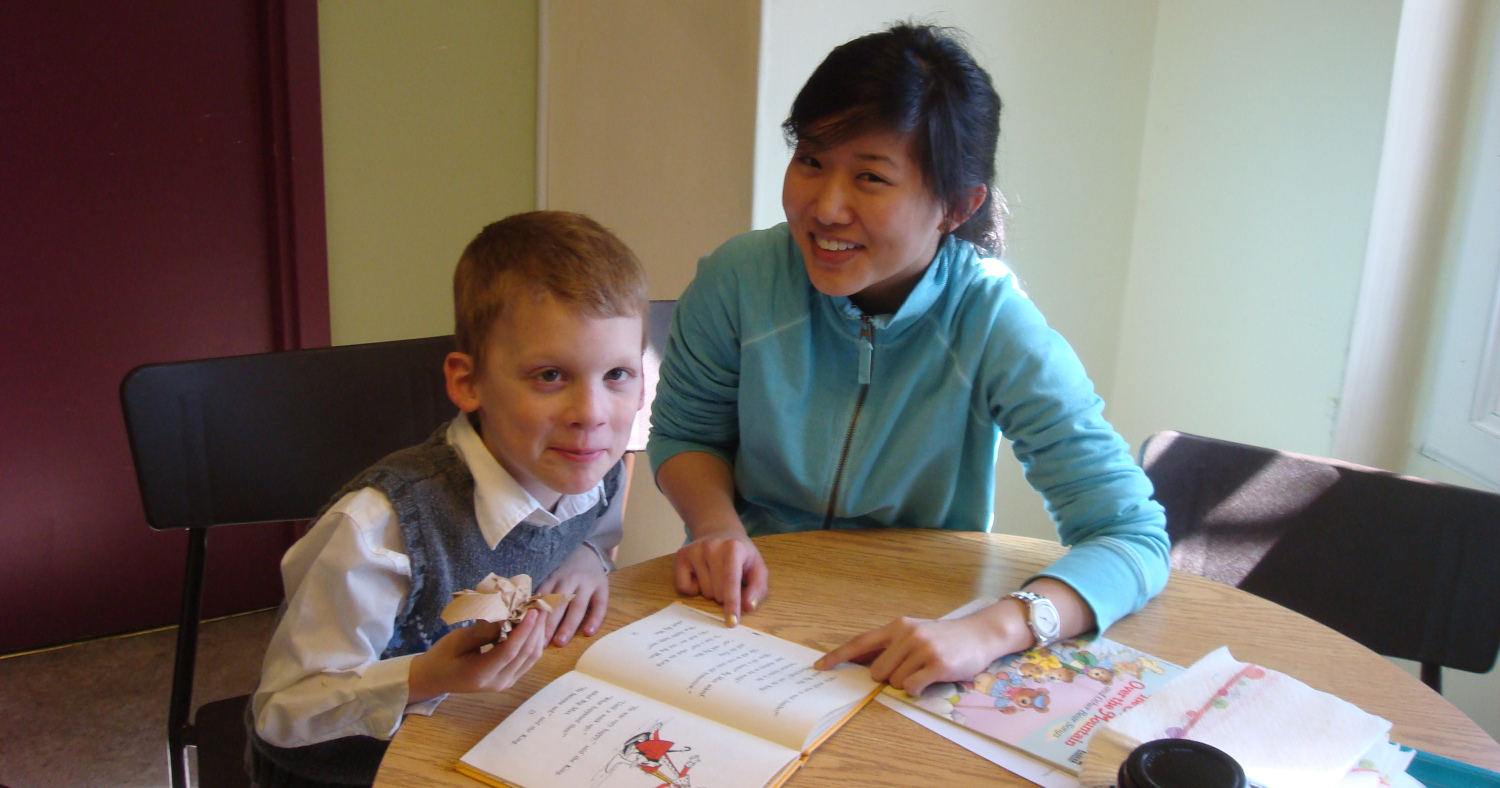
(549, 376)
(617, 374)
(808, 160)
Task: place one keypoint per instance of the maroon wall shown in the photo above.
(154, 210)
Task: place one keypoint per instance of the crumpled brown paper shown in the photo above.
(503, 600)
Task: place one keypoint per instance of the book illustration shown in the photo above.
(1048, 701)
(649, 754)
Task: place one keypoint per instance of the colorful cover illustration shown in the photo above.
(1048, 701)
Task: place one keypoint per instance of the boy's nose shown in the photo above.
(588, 407)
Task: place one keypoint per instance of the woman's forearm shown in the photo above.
(700, 486)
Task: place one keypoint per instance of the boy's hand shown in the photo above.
(912, 653)
(582, 575)
(726, 567)
(455, 663)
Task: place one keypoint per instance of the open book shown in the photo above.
(674, 699)
(1048, 702)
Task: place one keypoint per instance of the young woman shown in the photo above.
(856, 366)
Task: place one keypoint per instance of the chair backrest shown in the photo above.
(1400, 564)
(268, 437)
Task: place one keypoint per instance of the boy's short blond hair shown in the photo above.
(566, 255)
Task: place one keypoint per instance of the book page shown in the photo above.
(754, 681)
(580, 732)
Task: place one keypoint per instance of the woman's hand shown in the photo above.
(458, 663)
(724, 566)
(721, 562)
(912, 653)
(582, 575)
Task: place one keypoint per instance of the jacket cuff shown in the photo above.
(1109, 577)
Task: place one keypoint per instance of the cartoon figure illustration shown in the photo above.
(1139, 666)
(1042, 658)
(1042, 665)
(1097, 667)
(942, 698)
(1101, 674)
(1062, 673)
(1008, 694)
(648, 752)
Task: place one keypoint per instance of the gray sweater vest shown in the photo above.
(432, 492)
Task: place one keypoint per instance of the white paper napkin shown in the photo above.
(1284, 733)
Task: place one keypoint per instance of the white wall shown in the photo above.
(1258, 172)
(1074, 81)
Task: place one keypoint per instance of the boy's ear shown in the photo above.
(458, 369)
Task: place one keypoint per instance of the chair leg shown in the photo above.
(179, 732)
(1432, 676)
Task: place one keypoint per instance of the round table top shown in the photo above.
(827, 586)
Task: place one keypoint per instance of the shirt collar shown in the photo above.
(500, 502)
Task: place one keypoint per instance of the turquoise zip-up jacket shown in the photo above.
(832, 418)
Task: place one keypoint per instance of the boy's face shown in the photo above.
(556, 396)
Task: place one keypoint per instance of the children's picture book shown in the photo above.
(674, 700)
(1048, 702)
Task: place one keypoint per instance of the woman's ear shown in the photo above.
(458, 369)
(973, 197)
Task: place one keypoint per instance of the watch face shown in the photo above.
(1046, 619)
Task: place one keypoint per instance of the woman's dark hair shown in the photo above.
(919, 80)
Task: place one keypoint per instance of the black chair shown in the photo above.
(1402, 565)
(267, 438)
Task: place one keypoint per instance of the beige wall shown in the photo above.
(650, 111)
(429, 133)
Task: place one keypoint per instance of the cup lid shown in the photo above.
(1180, 763)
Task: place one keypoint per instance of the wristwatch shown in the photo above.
(1041, 617)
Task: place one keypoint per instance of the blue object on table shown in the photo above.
(1435, 771)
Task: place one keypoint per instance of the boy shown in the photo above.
(550, 310)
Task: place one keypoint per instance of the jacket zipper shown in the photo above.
(866, 361)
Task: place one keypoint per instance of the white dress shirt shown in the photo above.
(346, 580)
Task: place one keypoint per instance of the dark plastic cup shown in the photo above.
(1180, 763)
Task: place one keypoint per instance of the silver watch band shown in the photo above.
(1041, 617)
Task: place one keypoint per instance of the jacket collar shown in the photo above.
(950, 253)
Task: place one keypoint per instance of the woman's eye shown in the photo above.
(809, 161)
(549, 376)
(871, 177)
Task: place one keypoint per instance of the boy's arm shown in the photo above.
(323, 677)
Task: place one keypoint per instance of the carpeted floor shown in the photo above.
(95, 713)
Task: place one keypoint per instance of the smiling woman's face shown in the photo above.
(864, 219)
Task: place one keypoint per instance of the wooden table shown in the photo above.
(827, 586)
